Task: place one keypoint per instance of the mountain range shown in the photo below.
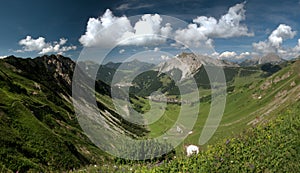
(40, 131)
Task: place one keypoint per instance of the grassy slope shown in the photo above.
(27, 152)
(242, 107)
(37, 128)
(270, 145)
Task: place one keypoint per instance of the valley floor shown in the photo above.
(272, 146)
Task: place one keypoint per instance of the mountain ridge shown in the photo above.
(39, 129)
(37, 114)
(271, 58)
(190, 63)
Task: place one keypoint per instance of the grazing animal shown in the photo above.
(192, 149)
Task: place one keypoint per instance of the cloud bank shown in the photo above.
(2, 57)
(227, 55)
(203, 28)
(275, 41)
(231, 55)
(40, 45)
(273, 44)
(109, 30)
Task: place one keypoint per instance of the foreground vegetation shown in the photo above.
(272, 146)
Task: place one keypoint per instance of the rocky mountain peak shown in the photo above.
(270, 58)
(190, 63)
(60, 66)
(56, 70)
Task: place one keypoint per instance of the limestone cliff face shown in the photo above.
(61, 67)
(189, 64)
(270, 58)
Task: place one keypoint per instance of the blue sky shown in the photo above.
(32, 28)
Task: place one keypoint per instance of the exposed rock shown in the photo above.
(281, 94)
(266, 85)
(270, 58)
(189, 64)
(61, 66)
(54, 71)
(293, 84)
(250, 62)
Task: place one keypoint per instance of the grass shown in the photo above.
(37, 133)
(241, 106)
(40, 132)
(271, 146)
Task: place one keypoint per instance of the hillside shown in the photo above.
(39, 130)
(252, 94)
(259, 131)
(270, 146)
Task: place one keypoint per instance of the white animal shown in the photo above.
(192, 149)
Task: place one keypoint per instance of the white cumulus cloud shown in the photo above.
(150, 30)
(231, 55)
(63, 41)
(98, 34)
(215, 55)
(291, 52)
(109, 30)
(227, 55)
(297, 47)
(39, 44)
(263, 47)
(243, 55)
(2, 57)
(204, 28)
(282, 32)
(147, 31)
(275, 41)
(30, 44)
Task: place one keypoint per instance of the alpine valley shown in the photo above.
(259, 130)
